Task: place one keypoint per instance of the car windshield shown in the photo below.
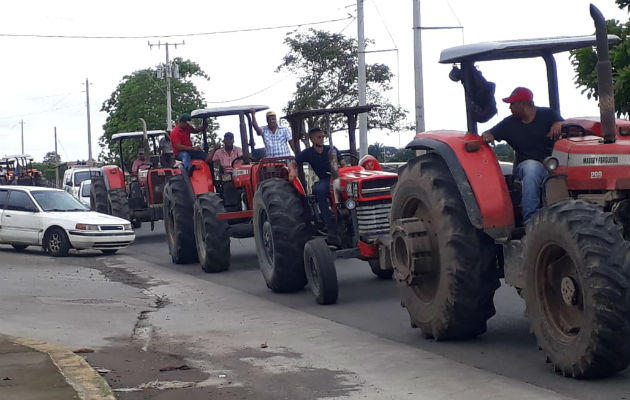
(57, 200)
(85, 190)
(80, 176)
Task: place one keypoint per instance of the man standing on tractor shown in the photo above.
(274, 136)
(227, 154)
(318, 156)
(183, 150)
(531, 131)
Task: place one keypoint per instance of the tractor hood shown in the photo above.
(361, 184)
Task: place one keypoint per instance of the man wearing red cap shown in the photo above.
(531, 131)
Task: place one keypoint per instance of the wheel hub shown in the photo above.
(411, 250)
(568, 288)
(267, 238)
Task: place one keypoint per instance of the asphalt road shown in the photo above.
(373, 306)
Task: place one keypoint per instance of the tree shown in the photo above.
(142, 95)
(584, 62)
(326, 66)
(504, 152)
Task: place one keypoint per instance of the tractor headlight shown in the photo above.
(353, 189)
(551, 163)
(351, 204)
(86, 227)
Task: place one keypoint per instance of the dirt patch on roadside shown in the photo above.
(245, 374)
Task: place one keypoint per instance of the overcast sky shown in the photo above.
(42, 80)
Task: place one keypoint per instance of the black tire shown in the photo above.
(119, 204)
(19, 247)
(452, 297)
(281, 229)
(98, 195)
(375, 266)
(136, 223)
(211, 234)
(577, 289)
(178, 221)
(109, 252)
(319, 265)
(57, 243)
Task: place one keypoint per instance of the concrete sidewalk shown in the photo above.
(33, 370)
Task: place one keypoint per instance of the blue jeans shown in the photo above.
(531, 173)
(186, 156)
(321, 189)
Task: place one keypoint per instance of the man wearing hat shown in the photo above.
(183, 150)
(227, 154)
(531, 131)
(274, 136)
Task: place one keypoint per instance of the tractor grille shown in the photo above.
(373, 218)
(377, 187)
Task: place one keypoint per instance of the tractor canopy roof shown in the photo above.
(136, 135)
(521, 48)
(321, 111)
(221, 111)
(17, 157)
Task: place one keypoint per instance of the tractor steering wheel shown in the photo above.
(239, 158)
(351, 156)
(572, 130)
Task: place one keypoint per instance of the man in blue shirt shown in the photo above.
(531, 131)
(318, 157)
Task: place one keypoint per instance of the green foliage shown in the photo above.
(504, 152)
(402, 155)
(584, 62)
(326, 66)
(142, 95)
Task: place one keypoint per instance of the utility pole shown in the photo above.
(363, 142)
(417, 66)
(89, 131)
(167, 71)
(22, 133)
(56, 162)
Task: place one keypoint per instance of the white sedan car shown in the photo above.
(53, 219)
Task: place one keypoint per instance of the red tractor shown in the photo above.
(135, 198)
(456, 229)
(291, 247)
(203, 209)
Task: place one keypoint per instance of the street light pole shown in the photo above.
(89, 126)
(417, 66)
(363, 142)
(170, 71)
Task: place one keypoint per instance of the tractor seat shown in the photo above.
(272, 171)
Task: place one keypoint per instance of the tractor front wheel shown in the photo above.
(211, 233)
(178, 221)
(319, 264)
(119, 204)
(577, 289)
(98, 195)
(445, 267)
(281, 229)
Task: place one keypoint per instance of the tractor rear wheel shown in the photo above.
(281, 229)
(319, 264)
(211, 233)
(178, 221)
(577, 289)
(445, 267)
(119, 204)
(98, 195)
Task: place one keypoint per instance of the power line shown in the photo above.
(266, 28)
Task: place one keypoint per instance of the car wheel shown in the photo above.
(57, 243)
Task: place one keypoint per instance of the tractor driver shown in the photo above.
(139, 163)
(319, 159)
(531, 131)
(183, 150)
(227, 154)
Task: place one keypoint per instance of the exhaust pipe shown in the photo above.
(145, 138)
(604, 78)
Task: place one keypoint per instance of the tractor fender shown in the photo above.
(479, 178)
(114, 177)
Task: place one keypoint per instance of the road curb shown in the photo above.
(88, 384)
